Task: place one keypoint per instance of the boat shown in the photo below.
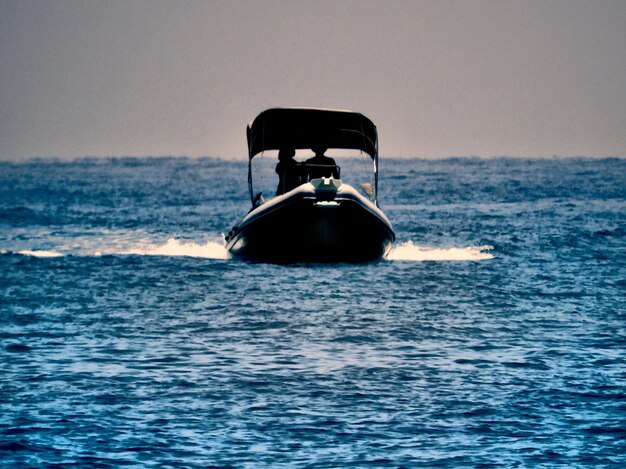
(316, 217)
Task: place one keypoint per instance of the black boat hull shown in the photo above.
(305, 226)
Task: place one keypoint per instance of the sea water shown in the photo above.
(494, 334)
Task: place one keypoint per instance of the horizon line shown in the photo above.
(55, 158)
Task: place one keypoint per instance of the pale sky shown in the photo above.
(439, 78)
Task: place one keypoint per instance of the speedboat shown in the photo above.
(317, 218)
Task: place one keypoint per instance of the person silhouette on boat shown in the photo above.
(321, 165)
(288, 170)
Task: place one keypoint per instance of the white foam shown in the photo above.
(174, 247)
(27, 252)
(410, 252)
(138, 243)
(117, 243)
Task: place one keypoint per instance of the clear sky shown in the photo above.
(439, 78)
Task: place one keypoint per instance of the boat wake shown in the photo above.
(126, 244)
(401, 252)
(89, 244)
(174, 247)
(411, 252)
(28, 252)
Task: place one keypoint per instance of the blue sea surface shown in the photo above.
(494, 335)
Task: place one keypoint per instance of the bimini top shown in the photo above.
(301, 128)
